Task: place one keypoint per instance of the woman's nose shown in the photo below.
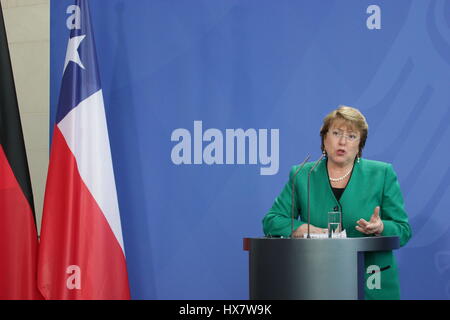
(342, 139)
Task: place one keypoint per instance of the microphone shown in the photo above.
(293, 192)
(309, 177)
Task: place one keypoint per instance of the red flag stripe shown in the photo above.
(18, 249)
(75, 225)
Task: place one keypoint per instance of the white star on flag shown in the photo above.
(72, 51)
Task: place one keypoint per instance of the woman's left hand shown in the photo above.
(374, 226)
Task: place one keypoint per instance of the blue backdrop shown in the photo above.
(179, 77)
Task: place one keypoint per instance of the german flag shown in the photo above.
(18, 234)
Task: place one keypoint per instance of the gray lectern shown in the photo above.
(323, 269)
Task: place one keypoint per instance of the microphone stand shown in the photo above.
(309, 177)
(293, 192)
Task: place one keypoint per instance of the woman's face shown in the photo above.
(342, 143)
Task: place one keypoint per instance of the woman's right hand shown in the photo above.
(303, 229)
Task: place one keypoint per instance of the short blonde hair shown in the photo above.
(351, 116)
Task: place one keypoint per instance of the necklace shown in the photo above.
(341, 178)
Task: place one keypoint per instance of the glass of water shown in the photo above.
(334, 223)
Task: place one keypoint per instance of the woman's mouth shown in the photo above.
(340, 152)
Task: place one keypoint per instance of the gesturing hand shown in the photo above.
(374, 226)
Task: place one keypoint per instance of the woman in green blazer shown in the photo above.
(366, 192)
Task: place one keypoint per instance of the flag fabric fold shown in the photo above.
(19, 243)
(82, 253)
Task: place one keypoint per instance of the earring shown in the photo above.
(324, 154)
(357, 159)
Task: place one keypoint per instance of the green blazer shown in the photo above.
(372, 183)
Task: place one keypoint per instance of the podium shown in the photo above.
(310, 269)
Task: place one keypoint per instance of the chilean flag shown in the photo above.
(81, 253)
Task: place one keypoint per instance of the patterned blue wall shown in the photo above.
(263, 65)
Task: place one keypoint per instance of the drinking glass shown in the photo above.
(334, 223)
